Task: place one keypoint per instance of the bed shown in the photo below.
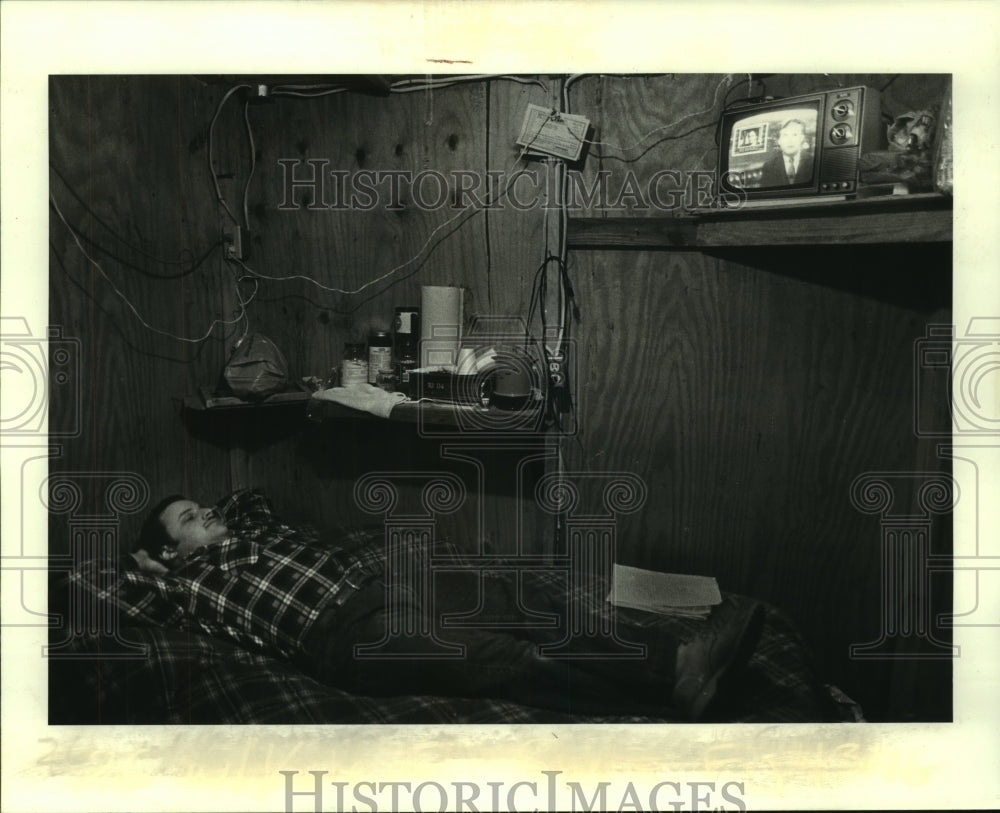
(190, 678)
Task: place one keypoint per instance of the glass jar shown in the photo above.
(354, 366)
(379, 355)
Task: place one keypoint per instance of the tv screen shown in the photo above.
(775, 148)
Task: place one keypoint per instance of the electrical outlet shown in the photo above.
(557, 373)
(558, 381)
(233, 241)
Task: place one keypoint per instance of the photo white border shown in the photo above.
(236, 768)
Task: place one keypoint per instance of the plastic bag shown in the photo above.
(256, 368)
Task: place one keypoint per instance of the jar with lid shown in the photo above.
(354, 366)
(379, 354)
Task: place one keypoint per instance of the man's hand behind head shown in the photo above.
(149, 565)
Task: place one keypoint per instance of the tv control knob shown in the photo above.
(841, 110)
(841, 134)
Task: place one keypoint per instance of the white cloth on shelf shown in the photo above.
(364, 397)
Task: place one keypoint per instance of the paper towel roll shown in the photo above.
(440, 324)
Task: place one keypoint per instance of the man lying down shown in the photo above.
(237, 571)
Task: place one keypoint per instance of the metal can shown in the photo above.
(379, 354)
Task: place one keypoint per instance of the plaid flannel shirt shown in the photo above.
(263, 588)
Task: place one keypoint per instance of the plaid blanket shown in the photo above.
(189, 677)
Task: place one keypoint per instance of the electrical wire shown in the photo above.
(402, 86)
(308, 86)
(558, 167)
(885, 87)
(414, 85)
(470, 209)
(560, 185)
(128, 303)
(565, 90)
(715, 100)
(533, 302)
(255, 276)
(192, 265)
(749, 82)
(253, 163)
(283, 90)
(211, 163)
(92, 215)
(238, 280)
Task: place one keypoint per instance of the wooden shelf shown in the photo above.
(208, 401)
(437, 416)
(924, 218)
(432, 416)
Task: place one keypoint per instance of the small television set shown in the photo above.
(798, 148)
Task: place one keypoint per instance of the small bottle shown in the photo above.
(406, 328)
(402, 369)
(386, 380)
(379, 354)
(354, 366)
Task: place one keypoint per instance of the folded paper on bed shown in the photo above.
(666, 593)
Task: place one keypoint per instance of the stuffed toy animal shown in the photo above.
(913, 131)
(907, 160)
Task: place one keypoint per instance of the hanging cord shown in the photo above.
(253, 163)
(414, 85)
(429, 100)
(725, 82)
(539, 289)
(131, 307)
(238, 280)
(306, 91)
(470, 210)
(189, 266)
(561, 187)
(568, 306)
(211, 163)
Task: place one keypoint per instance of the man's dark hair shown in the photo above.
(790, 122)
(153, 534)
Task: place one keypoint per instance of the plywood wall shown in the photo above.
(128, 172)
(747, 390)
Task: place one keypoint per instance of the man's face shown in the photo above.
(791, 139)
(192, 527)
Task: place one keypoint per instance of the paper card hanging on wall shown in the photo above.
(545, 132)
